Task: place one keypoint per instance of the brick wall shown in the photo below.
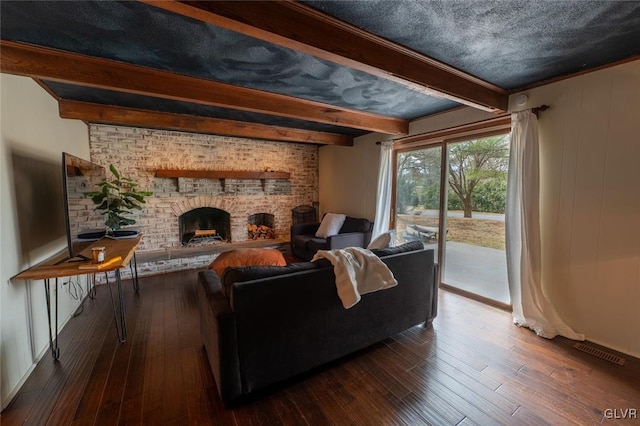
(81, 179)
(138, 153)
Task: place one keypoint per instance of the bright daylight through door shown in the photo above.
(474, 257)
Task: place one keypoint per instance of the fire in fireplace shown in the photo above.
(204, 225)
(260, 226)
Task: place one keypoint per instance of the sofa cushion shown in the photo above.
(247, 257)
(354, 224)
(237, 274)
(403, 248)
(330, 225)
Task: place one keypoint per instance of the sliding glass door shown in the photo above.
(451, 197)
(474, 250)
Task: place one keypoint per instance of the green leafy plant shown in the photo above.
(116, 199)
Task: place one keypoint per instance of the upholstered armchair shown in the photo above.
(354, 232)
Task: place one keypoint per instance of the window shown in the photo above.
(450, 194)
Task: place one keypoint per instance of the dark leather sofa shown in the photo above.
(264, 324)
(355, 232)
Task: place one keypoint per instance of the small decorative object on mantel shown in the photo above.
(116, 199)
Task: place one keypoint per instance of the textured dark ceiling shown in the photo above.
(511, 44)
(140, 34)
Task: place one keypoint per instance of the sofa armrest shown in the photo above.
(305, 229)
(349, 239)
(218, 330)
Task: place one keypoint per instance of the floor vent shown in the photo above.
(600, 353)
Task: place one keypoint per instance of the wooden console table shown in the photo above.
(124, 249)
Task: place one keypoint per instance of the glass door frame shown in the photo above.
(443, 138)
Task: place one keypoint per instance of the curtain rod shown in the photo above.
(539, 109)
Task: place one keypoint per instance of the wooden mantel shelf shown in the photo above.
(221, 174)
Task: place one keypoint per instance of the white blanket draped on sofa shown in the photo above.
(358, 271)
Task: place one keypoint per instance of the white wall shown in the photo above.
(590, 151)
(348, 177)
(590, 156)
(30, 125)
(446, 120)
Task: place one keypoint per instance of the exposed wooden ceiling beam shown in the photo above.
(302, 28)
(98, 113)
(38, 62)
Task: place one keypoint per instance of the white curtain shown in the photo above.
(383, 196)
(530, 306)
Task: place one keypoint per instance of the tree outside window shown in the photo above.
(477, 177)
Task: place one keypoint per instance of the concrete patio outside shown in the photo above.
(478, 270)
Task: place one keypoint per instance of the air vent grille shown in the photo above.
(600, 353)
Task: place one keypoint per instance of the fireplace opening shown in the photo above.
(204, 225)
(261, 226)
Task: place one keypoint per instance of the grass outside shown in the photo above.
(478, 232)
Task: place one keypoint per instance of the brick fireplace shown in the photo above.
(204, 225)
(140, 153)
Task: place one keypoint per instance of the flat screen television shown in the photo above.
(37, 190)
(84, 224)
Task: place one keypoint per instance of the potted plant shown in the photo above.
(116, 199)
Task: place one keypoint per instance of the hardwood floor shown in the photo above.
(473, 367)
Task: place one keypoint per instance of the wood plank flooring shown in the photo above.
(473, 367)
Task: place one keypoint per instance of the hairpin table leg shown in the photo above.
(134, 273)
(91, 286)
(120, 320)
(53, 341)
